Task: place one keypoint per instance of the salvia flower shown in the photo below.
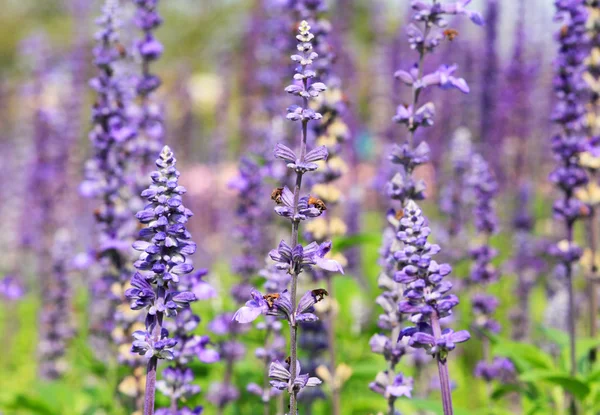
(108, 178)
(569, 143)
(282, 379)
(56, 326)
(295, 257)
(149, 49)
(500, 369)
(164, 244)
(415, 283)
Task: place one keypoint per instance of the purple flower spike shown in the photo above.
(414, 284)
(569, 115)
(163, 288)
(293, 258)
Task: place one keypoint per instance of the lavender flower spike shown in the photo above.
(569, 114)
(164, 245)
(427, 294)
(295, 258)
(409, 270)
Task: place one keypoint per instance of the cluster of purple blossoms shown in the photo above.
(250, 232)
(160, 286)
(150, 122)
(483, 272)
(106, 178)
(528, 262)
(501, 369)
(426, 295)
(570, 142)
(224, 392)
(176, 382)
(452, 199)
(416, 283)
(294, 257)
(56, 327)
(11, 288)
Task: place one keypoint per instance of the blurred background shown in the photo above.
(210, 69)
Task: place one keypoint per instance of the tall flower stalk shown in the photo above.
(106, 177)
(293, 257)
(570, 142)
(333, 133)
(164, 245)
(590, 160)
(425, 297)
(178, 377)
(483, 271)
(150, 122)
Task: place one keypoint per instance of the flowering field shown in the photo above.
(300, 207)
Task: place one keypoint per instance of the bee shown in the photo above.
(318, 203)
(98, 214)
(288, 360)
(121, 49)
(319, 294)
(399, 214)
(584, 210)
(450, 34)
(564, 31)
(270, 299)
(276, 195)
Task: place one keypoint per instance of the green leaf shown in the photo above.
(435, 406)
(33, 404)
(502, 390)
(525, 356)
(593, 377)
(572, 385)
(558, 337)
(344, 242)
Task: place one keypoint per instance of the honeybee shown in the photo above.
(399, 214)
(288, 360)
(450, 34)
(319, 294)
(318, 203)
(584, 210)
(276, 195)
(121, 49)
(564, 31)
(270, 299)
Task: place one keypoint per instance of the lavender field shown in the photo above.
(300, 207)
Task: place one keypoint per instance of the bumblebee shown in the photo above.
(319, 294)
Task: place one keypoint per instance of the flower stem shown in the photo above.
(442, 368)
(335, 387)
(150, 386)
(592, 233)
(296, 271)
(571, 316)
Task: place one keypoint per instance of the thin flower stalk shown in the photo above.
(295, 258)
(177, 379)
(333, 133)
